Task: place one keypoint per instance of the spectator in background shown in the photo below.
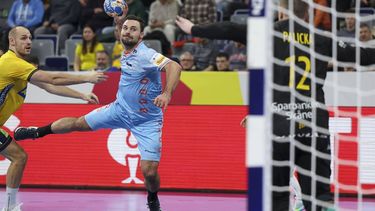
(62, 20)
(205, 53)
(163, 13)
(187, 61)
(147, 3)
(237, 55)
(365, 3)
(94, 15)
(102, 62)
(349, 30)
(27, 13)
(222, 62)
(85, 52)
(135, 7)
(117, 51)
(199, 11)
(322, 19)
(365, 34)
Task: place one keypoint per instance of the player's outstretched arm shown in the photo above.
(173, 71)
(66, 78)
(225, 30)
(347, 53)
(68, 92)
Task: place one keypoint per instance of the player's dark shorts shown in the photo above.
(5, 139)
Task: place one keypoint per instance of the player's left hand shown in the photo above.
(162, 100)
(91, 98)
(120, 19)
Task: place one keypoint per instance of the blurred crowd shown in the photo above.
(97, 44)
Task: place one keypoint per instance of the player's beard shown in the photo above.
(129, 44)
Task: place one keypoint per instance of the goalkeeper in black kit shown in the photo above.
(299, 112)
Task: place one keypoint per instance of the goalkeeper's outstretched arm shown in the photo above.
(220, 30)
(347, 53)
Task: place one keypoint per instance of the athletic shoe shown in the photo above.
(16, 208)
(154, 205)
(22, 133)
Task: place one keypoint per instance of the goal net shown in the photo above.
(311, 127)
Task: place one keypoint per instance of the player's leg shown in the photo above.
(18, 158)
(323, 170)
(102, 117)
(152, 183)
(303, 161)
(63, 125)
(280, 177)
(148, 136)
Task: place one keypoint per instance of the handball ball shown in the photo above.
(114, 6)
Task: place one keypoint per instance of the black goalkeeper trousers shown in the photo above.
(302, 159)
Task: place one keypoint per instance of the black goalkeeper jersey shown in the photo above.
(299, 72)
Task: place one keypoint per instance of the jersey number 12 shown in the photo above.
(292, 61)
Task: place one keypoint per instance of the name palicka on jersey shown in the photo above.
(301, 38)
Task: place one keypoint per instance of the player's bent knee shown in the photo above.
(16, 155)
(21, 157)
(81, 125)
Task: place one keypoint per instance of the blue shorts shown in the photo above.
(148, 134)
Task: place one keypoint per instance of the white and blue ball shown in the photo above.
(114, 6)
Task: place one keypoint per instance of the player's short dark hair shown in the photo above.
(136, 18)
(222, 54)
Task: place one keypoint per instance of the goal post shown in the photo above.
(259, 42)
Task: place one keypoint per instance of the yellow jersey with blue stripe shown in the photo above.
(14, 75)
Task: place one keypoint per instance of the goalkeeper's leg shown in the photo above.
(303, 160)
(280, 177)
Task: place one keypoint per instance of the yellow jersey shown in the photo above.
(88, 60)
(14, 76)
(116, 54)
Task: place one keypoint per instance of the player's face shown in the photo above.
(131, 33)
(21, 41)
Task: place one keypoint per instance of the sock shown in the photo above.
(42, 131)
(11, 197)
(152, 196)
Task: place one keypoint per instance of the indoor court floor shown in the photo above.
(121, 200)
(124, 200)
